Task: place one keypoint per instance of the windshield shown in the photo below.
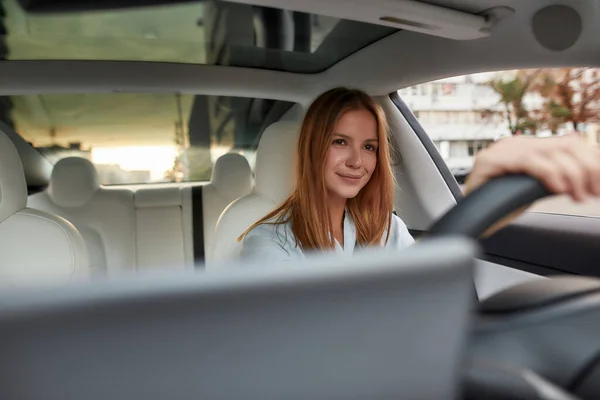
(202, 32)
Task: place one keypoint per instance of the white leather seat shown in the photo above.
(231, 179)
(104, 216)
(164, 216)
(274, 181)
(35, 247)
(163, 235)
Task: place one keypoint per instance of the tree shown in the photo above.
(512, 94)
(551, 116)
(177, 172)
(572, 96)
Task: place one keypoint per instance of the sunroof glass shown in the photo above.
(204, 32)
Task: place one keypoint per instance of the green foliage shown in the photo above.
(512, 94)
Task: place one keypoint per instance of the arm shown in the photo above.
(565, 164)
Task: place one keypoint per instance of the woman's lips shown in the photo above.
(350, 178)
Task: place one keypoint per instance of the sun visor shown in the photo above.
(407, 15)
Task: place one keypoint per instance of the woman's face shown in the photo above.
(352, 154)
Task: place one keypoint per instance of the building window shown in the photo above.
(458, 148)
(475, 146)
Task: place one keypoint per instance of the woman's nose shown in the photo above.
(354, 159)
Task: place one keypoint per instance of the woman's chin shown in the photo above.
(348, 194)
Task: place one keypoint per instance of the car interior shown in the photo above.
(104, 276)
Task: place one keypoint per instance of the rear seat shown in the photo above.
(104, 217)
(151, 228)
(163, 235)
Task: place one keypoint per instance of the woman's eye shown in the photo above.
(340, 142)
(370, 147)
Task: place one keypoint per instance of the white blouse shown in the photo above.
(276, 242)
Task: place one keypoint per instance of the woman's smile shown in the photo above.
(350, 178)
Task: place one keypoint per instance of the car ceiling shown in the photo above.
(408, 58)
(474, 6)
(402, 59)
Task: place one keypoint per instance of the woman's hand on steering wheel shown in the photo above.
(564, 164)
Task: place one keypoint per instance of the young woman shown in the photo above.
(344, 191)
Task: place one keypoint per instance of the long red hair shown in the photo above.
(306, 208)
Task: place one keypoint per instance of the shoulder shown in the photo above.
(398, 223)
(268, 242)
(272, 232)
(399, 234)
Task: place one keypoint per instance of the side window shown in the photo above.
(465, 114)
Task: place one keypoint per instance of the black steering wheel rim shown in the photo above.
(474, 214)
(472, 217)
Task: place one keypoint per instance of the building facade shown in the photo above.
(463, 115)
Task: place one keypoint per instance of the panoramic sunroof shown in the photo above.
(205, 32)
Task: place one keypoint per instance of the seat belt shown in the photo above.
(198, 224)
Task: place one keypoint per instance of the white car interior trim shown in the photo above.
(104, 217)
(60, 256)
(491, 278)
(231, 179)
(163, 197)
(159, 229)
(422, 195)
(151, 227)
(37, 168)
(274, 180)
(74, 182)
(98, 76)
(13, 189)
(35, 246)
(409, 58)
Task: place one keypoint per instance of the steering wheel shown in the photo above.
(537, 340)
(488, 204)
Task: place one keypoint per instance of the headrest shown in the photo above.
(73, 183)
(232, 175)
(276, 160)
(13, 188)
